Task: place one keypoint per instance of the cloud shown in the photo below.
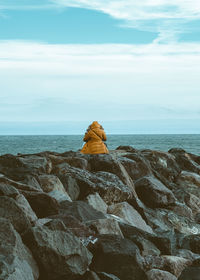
(67, 82)
(164, 16)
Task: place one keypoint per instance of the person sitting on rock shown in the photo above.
(94, 138)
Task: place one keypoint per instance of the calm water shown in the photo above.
(59, 143)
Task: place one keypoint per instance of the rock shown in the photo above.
(136, 166)
(192, 272)
(60, 196)
(78, 162)
(11, 210)
(75, 226)
(153, 193)
(58, 253)
(173, 264)
(80, 210)
(190, 182)
(163, 164)
(129, 214)
(105, 226)
(97, 202)
(25, 206)
(36, 163)
(19, 186)
(108, 185)
(16, 261)
(8, 190)
(71, 186)
(126, 148)
(185, 160)
(91, 275)
(193, 202)
(106, 276)
(156, 274)
(42, 204)
(118, 256)
(31, 181)
(50, 183)
(192, 243)
(111, 164)
(182, 210)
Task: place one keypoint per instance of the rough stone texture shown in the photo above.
(80, 210)
(172, 264)
(191, 242)
(156, 274)
(106, 226)
(74, 225)
(108, 185)
(117, 256)
(50, 183)
(190, 182)
(193, 202)
(153, 193)
(25, 206)
(97, 202)
(8, 190)
(58, 253)
(59, 196)
(130, 215)
(11, 210)
(136, 166)
(42, 204)
(16, 261)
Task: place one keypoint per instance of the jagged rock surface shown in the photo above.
(129, 215)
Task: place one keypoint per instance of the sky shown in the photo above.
(132, 65)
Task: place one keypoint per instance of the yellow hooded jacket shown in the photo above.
(94, 140)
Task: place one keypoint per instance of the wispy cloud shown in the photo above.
(164, 16)
(168, 17)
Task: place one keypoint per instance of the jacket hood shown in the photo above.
(95, 124)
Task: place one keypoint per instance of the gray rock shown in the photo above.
(156, 274)
(80, 210)
(58, 253)
(117, 256)
(42, 204)
(11, 210)
(97, 202)
(106, 226)
(153, 193)
(130, 215)
(173, 264)
(16, 261)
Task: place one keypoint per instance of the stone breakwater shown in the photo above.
(129, 215)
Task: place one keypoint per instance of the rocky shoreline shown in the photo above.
(129, 215)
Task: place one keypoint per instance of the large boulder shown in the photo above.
(13, 211)
(186, 161)
(52, 185)
(16, 261)
(163, 165)
(58, 252)
(105, 226)
(153, 193)
(97, 202)
(136, 166)
(80, 210)
(42, 204)
(189, 182)
(118, 256)
(130, 215)
(173, 264)
(108, 185)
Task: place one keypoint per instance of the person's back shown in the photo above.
(94, 138)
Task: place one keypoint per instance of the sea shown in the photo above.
(29, 144)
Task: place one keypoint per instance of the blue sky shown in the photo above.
(81, 60)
